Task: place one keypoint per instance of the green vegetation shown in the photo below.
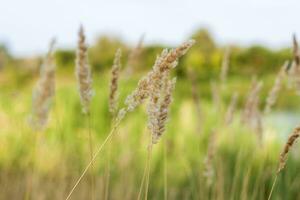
(216, 161)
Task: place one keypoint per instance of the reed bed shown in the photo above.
(226, 156)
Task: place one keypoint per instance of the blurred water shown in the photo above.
(282, 123)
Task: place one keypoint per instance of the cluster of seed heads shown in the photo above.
(158, 110)
(164, 63)
(153, 85)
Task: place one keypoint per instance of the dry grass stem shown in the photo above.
(251, 101)
(252, 115)
(209, 172)
(225, 66)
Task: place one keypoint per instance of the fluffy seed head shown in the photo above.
(296, 52)
(287, 147)
(83, 73)
(44, 91)
(158, 110)
(115, 72)
(294, 71)
(273, 94)
(163, 64)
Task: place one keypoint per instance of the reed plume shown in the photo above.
(294, 70)
(158, 83)
(84, 80)
(163, 64)
(273, 94)
(83, 73)
(42, 98)
(231, 109)
(296, 53)
(284, 155)
(115, 72)
(225, 66)
(44, 91)
(158, 109)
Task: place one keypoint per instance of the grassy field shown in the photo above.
(196, 158)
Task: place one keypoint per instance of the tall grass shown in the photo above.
(226, 161)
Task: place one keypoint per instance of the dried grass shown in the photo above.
(115, 73)
(44, 91)
(83, 73)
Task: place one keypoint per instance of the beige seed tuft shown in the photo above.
(83, 73)
(287, 147)
(163, 64)
(273, 94)
(158, 109)
(44, 91)
(115, 72)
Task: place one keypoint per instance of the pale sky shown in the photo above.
(26, 26)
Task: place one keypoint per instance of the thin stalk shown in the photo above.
(273, 186)
(142, 183)
(106, 194)
(148, 169)
(99, 149)
(91, 156)
(165, 172)
(106, 189)
(35, 141)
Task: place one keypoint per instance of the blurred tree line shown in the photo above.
(205, 57)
